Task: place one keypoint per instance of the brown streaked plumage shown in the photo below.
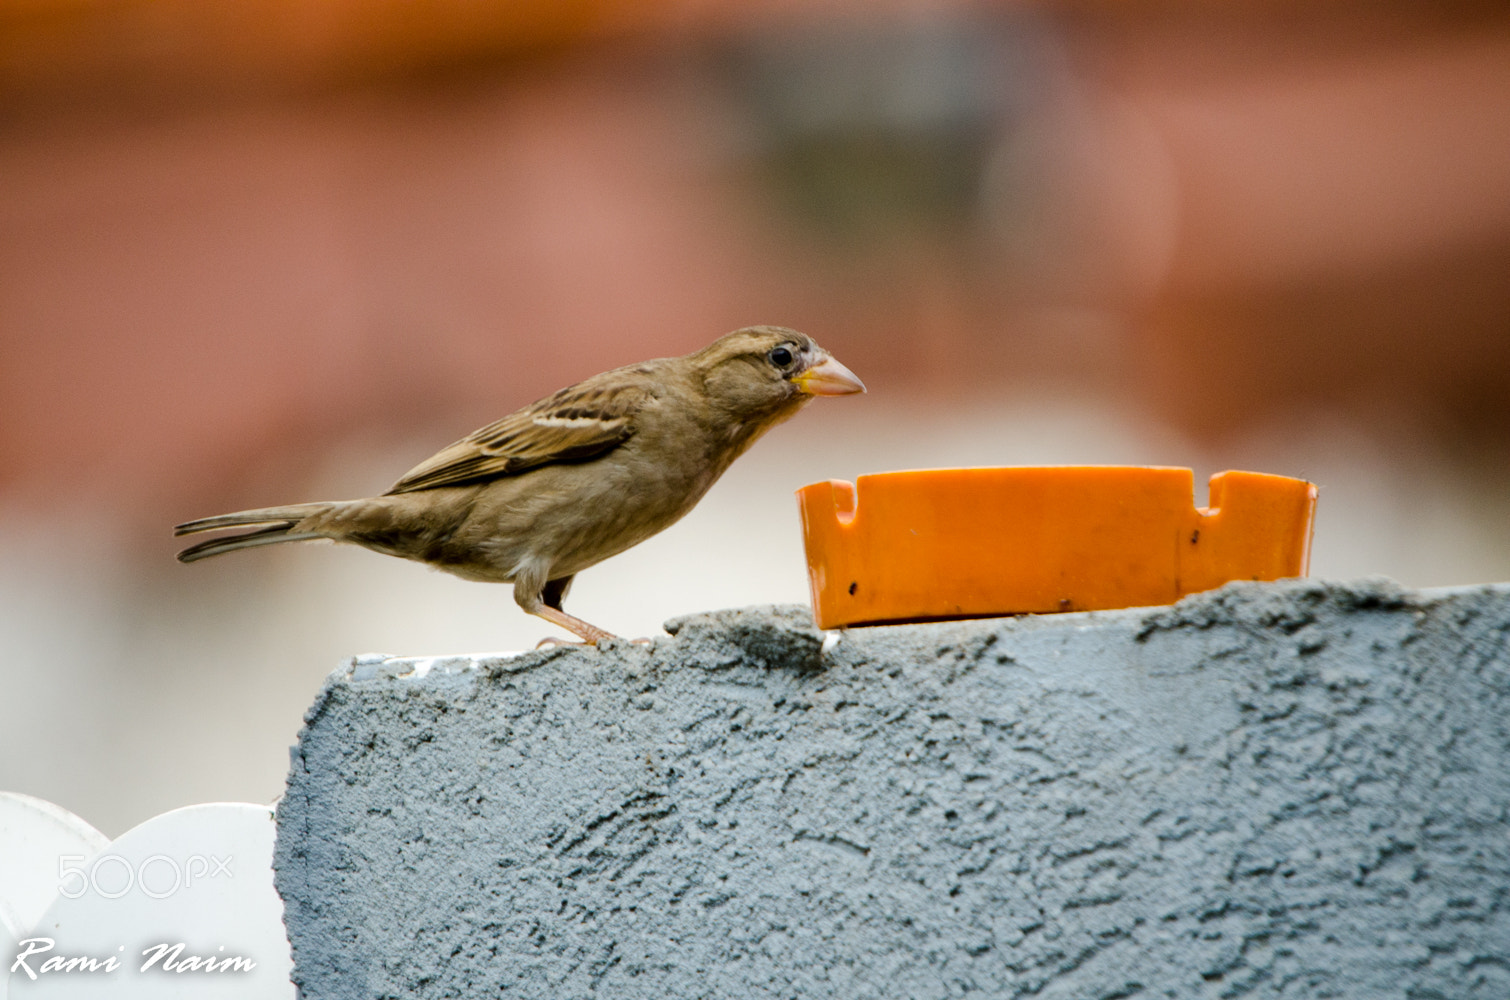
(581, 475)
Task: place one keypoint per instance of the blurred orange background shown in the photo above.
(259, 252)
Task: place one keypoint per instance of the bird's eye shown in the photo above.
(781, 357)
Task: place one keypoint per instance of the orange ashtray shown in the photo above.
(972, 543)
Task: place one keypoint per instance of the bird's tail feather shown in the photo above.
(262, 515)
(277, 526)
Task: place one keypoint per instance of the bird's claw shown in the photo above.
(551, 642)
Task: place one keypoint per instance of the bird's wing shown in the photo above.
(577, 423)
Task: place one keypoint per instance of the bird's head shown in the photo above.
(770, 372)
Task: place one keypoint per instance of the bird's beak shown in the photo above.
(828, 378)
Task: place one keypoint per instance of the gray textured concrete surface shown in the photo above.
(1271, 790)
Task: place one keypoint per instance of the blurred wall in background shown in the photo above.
(259, 252)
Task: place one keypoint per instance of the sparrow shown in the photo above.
(572, 479)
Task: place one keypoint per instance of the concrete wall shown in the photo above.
(1283, 790)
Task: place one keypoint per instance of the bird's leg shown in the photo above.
(589, 634)
(546, 603)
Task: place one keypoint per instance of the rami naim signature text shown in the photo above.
(157, 958)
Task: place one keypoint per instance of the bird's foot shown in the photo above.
(590, 635)
(551, 642)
